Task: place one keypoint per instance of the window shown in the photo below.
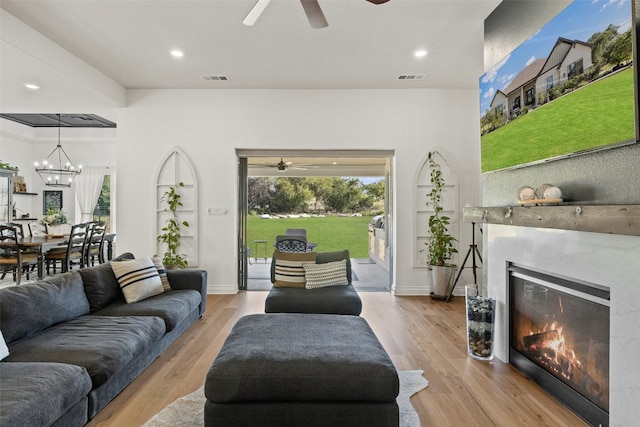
(531, 96)
(549, 82)
(516, 103)
(102, 211)
(575, 69)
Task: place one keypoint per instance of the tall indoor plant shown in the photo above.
(440, 244)
(172, 230)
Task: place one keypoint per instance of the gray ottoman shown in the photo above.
(301, 369)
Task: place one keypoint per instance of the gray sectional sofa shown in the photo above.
(74, 343)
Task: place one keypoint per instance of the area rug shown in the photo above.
(188, 411)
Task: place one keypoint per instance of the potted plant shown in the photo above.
(171, 232)
(440, 244)
(54, 221)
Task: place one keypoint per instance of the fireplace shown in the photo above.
(559, 337)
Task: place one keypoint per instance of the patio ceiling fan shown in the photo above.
(311, 9)
(282, 166)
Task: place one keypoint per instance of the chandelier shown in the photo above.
(57, 170)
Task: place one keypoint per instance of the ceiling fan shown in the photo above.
(282, 166)
(311, 9)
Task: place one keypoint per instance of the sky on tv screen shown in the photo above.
(578, 21)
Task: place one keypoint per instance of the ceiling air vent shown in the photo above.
(411, 77)
(215, 78)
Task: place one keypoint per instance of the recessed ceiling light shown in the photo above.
(420, 53)
(176, 53)
(32, 86)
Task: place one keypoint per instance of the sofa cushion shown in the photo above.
(138, 279)
(289, 271)
(302, 358)
(37, 394)
(100, 284)
(325, 275)
(101, 344)
(32, 307)
(172, 306)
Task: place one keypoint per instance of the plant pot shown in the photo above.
(442, 280)
(481, 313)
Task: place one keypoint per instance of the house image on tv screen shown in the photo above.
(533, 85)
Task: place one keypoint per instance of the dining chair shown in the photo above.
(286, 243)
(300, 232)
(74, 253)
(12, 257)
(36, 228)
(296, 232)
(19, 228)
(94, 246)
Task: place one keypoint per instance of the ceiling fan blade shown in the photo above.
(377, 1)
(314, 14)
(255, 12)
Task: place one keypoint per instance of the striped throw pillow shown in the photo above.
(289, 270)
(325, 275)
(162, 272)
(138, 279)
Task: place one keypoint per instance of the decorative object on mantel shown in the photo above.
(57, 166)
(526, 193)
(440, 242)
(480, 313)
(545, 194)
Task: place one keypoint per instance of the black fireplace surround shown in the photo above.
(559, 337)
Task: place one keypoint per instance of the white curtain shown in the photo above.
(88, 186)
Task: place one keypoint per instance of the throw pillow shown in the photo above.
(138, 279)
(289, 270)
(325, 275)
(4, 350)
(162, 272)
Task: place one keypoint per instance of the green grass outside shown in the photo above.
(330, 233)
(554, 128)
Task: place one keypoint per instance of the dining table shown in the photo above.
(40, 244)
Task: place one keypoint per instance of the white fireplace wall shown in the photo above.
(603, 259)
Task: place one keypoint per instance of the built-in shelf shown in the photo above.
(610, 219)
(25, 193)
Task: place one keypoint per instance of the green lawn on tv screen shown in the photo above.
(599, 114)
(331, 233)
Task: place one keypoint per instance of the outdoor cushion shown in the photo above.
(172, 306)
(37, 394)
(324, 275)
(29, 308)
(289, 271)
(101, 344)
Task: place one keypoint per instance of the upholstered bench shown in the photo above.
(301, 370)
(329, 300)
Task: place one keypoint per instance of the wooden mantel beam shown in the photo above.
(611, 219)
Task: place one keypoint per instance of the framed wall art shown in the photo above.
(51, 200)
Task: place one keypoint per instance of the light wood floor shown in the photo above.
(417, 332)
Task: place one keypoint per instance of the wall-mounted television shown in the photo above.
(568, 89)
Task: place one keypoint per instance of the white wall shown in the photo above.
(209, 125)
